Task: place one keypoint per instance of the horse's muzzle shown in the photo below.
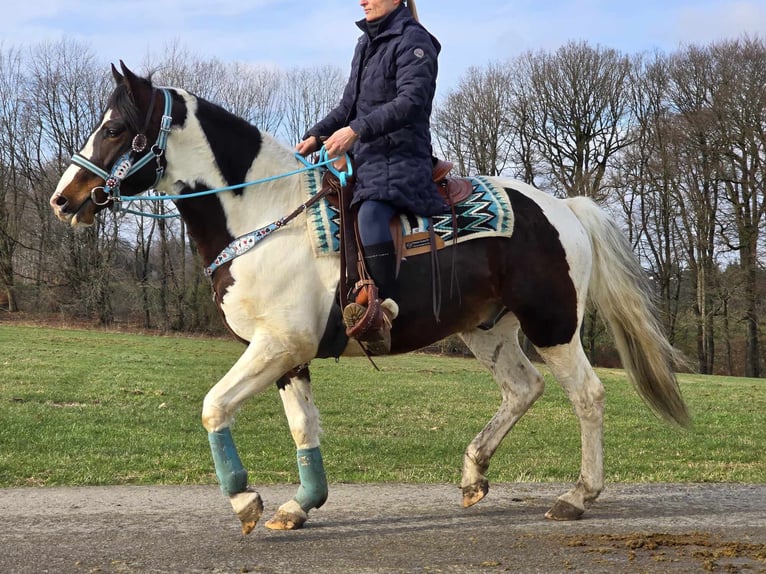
(59, 204)
(74, 215)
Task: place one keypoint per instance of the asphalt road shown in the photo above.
(385, 528)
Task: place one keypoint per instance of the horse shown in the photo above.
(282, 300)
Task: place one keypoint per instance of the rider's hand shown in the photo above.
(309, 145)
(340, 142)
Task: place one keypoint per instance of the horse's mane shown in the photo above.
(121, 101)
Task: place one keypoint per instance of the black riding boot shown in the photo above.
(381, 264)
(380, 260)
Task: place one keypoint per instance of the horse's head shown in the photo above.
(123, 156)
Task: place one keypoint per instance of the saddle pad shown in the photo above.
(486, 213)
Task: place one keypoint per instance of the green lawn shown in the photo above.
(90, 407)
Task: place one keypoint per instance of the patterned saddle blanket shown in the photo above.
(485, 213)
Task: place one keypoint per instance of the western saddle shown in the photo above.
(359, 285)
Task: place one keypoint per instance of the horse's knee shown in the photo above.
(214, 417)
(303, 432)
(303, 420)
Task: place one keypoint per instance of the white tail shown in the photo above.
(621, 292)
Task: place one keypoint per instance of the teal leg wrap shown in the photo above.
(312, 493)
(232, 476)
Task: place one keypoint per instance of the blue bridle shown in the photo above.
(126, 166)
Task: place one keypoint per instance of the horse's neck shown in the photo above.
(274, 196)
(192, 165)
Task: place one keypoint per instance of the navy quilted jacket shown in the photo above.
(387, 102)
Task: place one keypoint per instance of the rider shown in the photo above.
(383, 118)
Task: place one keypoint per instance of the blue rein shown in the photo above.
(125, 167)
(245, 243)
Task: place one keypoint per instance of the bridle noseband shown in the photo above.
(125, 166)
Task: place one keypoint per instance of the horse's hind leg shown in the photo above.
(571, 368)
(303, 419)
(520, 385)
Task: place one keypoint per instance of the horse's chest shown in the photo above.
(238, 308)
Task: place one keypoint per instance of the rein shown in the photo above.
(245, 243)
(125, 166)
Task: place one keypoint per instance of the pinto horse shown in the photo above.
(281, 299)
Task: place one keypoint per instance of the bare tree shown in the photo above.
(692, 144)
(69, 91)
(309, 94)
(577, 113)
(523, 149)
(252, 93)
(473, 126)
(12, 181)
(646, 182)
(739, 108)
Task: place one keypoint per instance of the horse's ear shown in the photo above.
(118, 78)
(131, 78)
(139, 88)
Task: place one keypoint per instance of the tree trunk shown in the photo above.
(752, 358)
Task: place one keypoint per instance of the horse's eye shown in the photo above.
(113, 131)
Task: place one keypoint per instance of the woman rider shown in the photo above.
(383, 119)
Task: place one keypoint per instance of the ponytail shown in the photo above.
(413, 9)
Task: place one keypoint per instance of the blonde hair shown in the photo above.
(413, 9)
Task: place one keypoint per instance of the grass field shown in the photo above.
(91, 407)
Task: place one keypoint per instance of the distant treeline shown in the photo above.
(672, 144)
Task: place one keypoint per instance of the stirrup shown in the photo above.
(353, 314)
(371, 325)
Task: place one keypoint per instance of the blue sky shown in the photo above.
(291, 33)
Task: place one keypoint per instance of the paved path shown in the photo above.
(385, 528)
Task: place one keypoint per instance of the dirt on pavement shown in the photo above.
(385, 528)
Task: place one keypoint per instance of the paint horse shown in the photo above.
(281, 299)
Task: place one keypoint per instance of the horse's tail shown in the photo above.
(620, 290)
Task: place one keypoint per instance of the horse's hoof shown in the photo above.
(286, 521)
(249, 508)
(564, 511)
(475, 492)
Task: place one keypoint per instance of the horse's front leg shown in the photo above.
(264, 361)
(303, 419)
